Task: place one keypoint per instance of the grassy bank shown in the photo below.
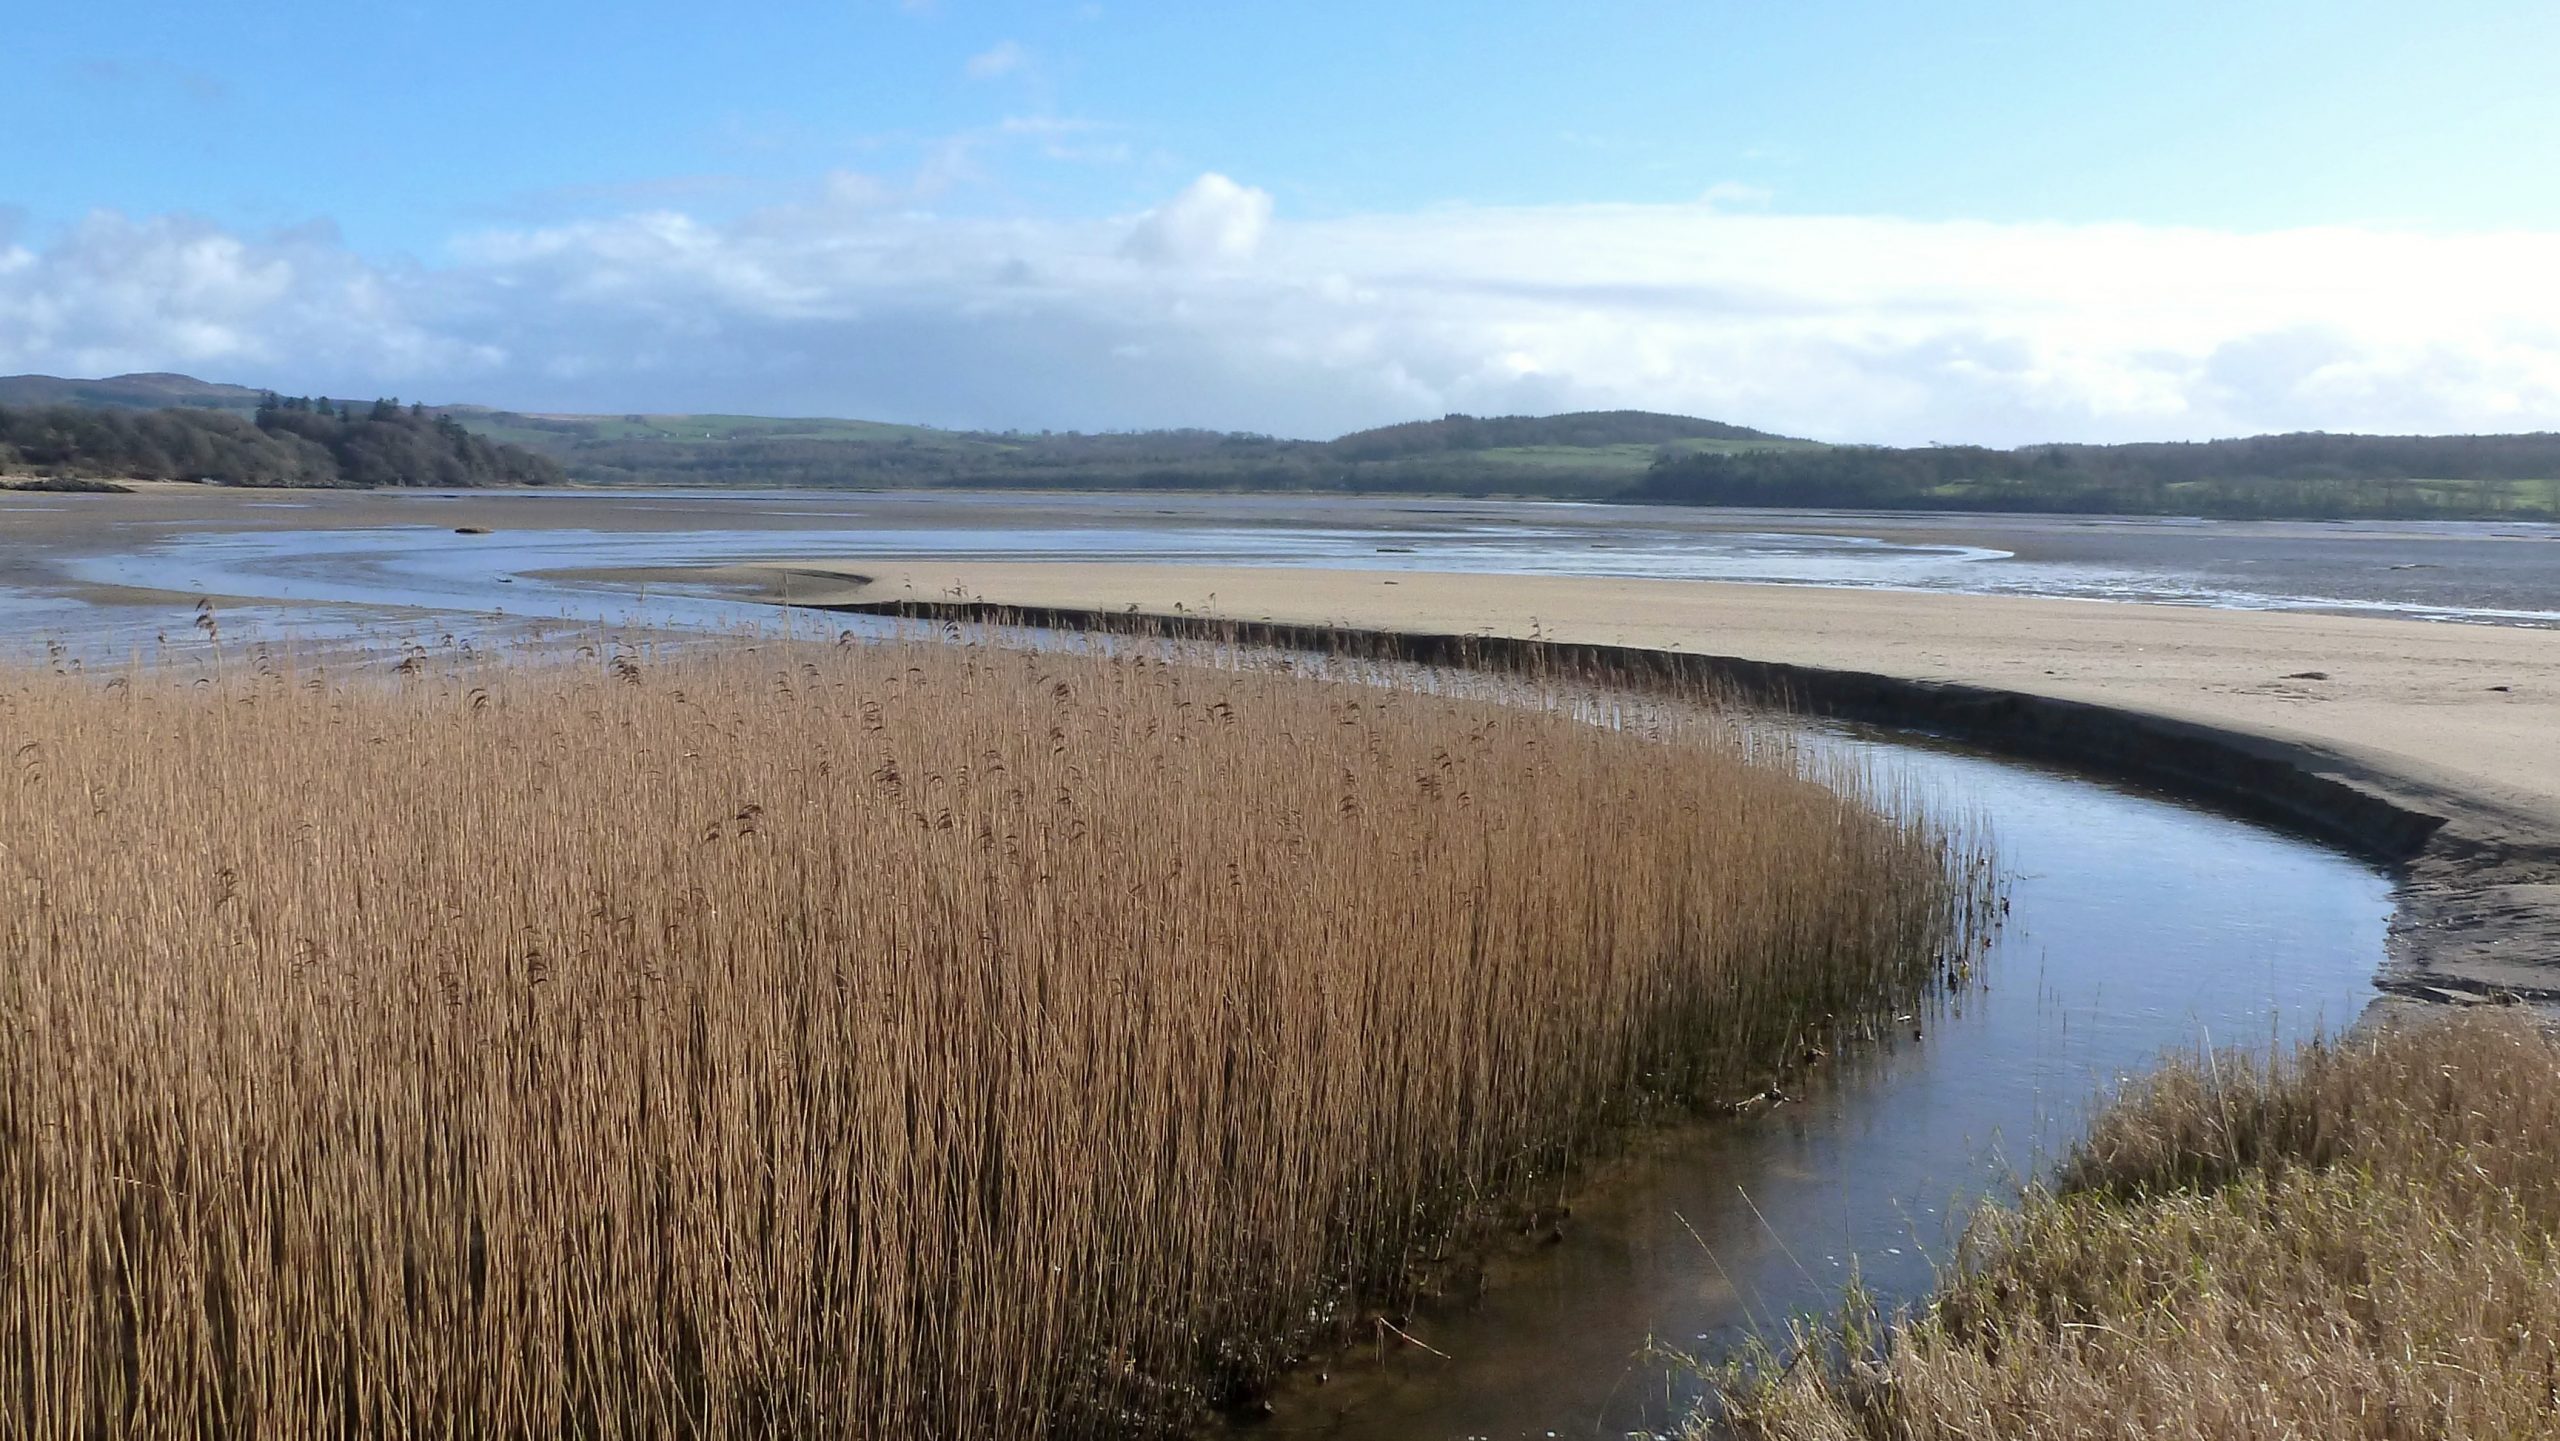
(884, 1041)
(2357, 1242)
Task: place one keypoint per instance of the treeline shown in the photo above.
(2313, 475)
(297, 441)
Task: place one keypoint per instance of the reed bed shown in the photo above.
(2360, 1241)
(900, 1040)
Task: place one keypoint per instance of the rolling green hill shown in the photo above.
(1578, 431)
(155, 391)
(1593, 454)
(2309, 475)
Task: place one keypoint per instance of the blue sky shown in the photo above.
(1310, 216)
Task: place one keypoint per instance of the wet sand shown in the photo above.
(2455, 722)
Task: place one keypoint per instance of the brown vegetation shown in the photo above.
(2359, 1242)
(889, 1041)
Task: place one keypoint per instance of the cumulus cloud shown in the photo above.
(1214, 219)
(1208, 309)
(115, 293)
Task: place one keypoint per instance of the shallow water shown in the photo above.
(399, 549)
(2138, 926)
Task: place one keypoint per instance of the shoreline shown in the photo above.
(2478, 858)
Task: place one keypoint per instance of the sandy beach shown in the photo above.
(2456, 721)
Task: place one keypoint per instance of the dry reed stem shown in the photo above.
(880, 1041)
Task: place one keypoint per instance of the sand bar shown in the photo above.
(2460, 722)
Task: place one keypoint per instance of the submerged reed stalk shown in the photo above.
(888, 1041)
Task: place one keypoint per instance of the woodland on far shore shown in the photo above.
(286, 441)
(90, 433)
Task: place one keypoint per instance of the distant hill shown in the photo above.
(1633, 455)
(1582, 429)
(1592, 454)
(2302, 476)
(157, 390)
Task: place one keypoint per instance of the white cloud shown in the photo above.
(114, 293)
(1214, 219)
(997, 61)
(1208, 309)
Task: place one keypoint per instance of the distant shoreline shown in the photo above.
(168, 425)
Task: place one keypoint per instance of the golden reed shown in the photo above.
(910, 1040)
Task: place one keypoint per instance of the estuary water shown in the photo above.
(2138, 926)
(135, 562)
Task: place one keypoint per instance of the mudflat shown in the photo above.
(2449, 720)
(2479, 571)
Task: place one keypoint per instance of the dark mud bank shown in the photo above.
(2480, 912)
